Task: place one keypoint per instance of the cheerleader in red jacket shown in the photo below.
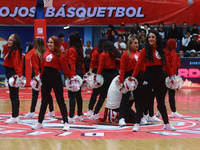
(154, 57)
(12, 64)
(93, 68)
(174, 61)
(108, 68)
(52, 63)
(36, 61)
(128, 61)
(76, 62)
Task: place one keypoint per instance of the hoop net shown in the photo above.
(48, 3)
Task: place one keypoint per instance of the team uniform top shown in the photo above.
(63, 46)
(36, 63)
(95, 59)
(127, 63)
(73, 61)
(156, 61)
(15, 61)
(106, 62)
(174, 61)
(50, 60)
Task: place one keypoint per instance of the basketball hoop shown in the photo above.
(48, 3)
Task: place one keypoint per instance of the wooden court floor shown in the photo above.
(187, 102)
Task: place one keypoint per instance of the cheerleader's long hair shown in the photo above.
(16, 45)
(149, 48)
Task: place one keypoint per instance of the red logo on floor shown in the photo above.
(186, 127)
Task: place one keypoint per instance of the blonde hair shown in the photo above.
(128, 46)
(39, 47)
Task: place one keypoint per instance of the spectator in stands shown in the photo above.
(193, 53)
(126, 36)
(86, 55)
(113, 38)
(63, 44)
(120, 45)
(181, 53)
(136, 28)
(194, 44)
(142, 42)
(195, 29)
(184, 29)
(185, 40)
(110, 28)
(155, 29)
(174, 33)
(162, 32)
(121, 31)
(146, 28)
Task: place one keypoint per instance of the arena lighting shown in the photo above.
(190, 2)
(66, 27)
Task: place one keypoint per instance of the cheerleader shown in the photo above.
(174, 61)
(76, 62)
(12, 63)
(128, 61)
(52, 63)
(109, 69)
(36, 61)
(154, 57)
(93, 68)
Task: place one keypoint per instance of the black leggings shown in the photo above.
(108, 75)
(14, 93)
(153, 78)
(51, 78)
(35, 98)
(75, 97)
(149, 109)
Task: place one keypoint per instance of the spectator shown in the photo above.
(120, 45)
(195, 29)
(146, 28)
(63, 44)
(184, 29)
(162, 32)
(136, 28)
(86, 55)
(126, 36)
(121, 31)
(110, 28)
(142, 42)
(155, 29)
(193, 53)
(194, 44)
(113, 38)
(181, 53)
(185, 40)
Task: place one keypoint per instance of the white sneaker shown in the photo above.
(146, 117)
(143, 121)
(94, 117)
(66, 127)
(153, 119)
(50, 114)
(169, 127)
(136, 128)
(89, 113)
(71, 120)
(30, 115)
(158, 113)
(78, 118)
(37, 126)
(122, 122)
(12, 120)
(175, 115)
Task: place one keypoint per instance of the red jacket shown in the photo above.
(95, 59)
(50, 60)
(106, 62)
(157, 61)
(63, 46)
(73, 60)
(36, 63)
(127, 63)
(5, 49)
